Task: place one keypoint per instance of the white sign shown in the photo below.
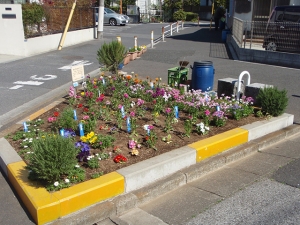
(77, 73)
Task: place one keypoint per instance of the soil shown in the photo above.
(120, 146)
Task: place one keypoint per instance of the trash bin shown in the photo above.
(203, 76)
(224, 34)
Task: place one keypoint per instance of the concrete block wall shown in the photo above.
(13, 42)
(265, 57)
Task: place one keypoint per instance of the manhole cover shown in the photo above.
(72, 57)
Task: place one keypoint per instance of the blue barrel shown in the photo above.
(203, 76)
(224, 35)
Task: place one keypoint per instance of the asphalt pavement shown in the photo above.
(262, 188)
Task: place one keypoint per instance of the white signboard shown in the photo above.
(77, 73)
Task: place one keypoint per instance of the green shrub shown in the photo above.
(111, 55)
(32, 14)
(179, 15)
(53, 158)
(190, 16)
(65, 120)
(272, 101)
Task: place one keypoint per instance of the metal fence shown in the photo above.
(152, 16)
(261, 35)
(56, 19)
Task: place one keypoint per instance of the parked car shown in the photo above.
(112, 18)
(283, 29)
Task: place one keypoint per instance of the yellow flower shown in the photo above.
(82, 93)
(93, 140)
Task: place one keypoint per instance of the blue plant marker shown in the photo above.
(81, 132)
(151, 85)
(99, 93)
(75, 115)
(176, 112)
(62, 132)
(25, 127)
(148, 131)
(123, 112)
(218, 108)
(128, 125)
(103, 81)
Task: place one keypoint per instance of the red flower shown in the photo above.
(85, 109)
(146, 138)
(154, 101)
(79, 105)
(120, 159)
(56, 114)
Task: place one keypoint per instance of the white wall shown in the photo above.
(12, 32)
(12, 41)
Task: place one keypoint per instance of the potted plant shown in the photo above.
(111, 55)
(126, 59)
(133, 54)
(139, 51)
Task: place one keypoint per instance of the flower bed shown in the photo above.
(118, 121)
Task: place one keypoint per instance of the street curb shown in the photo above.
(141, 182)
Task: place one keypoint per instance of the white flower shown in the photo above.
(132, 104)
(25, 146)
(99, 158)
(56, 183)
(109, 77)
(39, 119)
(28, 152)
(77, 166)
(67, 180)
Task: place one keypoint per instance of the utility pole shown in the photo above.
(100, 19)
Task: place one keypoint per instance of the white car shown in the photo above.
(113, 18)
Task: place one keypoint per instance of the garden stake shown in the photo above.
(75, 115)
(25, 127)
(81, 130)
(122, 111)
(176, 112)
(128, 125)
(62, 132)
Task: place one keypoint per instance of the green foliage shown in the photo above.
(52, 158)
(104, 141)
(190, 16)
(65, 120)
(111, 55)
(96, 175)
(93, 162)
(32, 14)
(272, 101)
(179, 15)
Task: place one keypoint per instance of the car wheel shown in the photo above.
(113, 22)
(271, 46)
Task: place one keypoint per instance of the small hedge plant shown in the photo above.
(272, 101)
(179, 15)
(53, 158)
(190, 16)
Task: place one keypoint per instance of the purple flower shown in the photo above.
(126, 95)
(168, 110)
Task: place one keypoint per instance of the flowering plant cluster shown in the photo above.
(111, 106)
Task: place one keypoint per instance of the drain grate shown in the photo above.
(218, 50)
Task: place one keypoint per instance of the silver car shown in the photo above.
(113, 18)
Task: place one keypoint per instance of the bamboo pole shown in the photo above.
(67, 27)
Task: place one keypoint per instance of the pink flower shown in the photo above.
(168, 110)
(132, 114)
(51, 119)
(126, 95)
(140, 102)
(207, 112)
(131, 144)
(119, 106)
(86, 117)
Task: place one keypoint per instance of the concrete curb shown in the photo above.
(131, 186)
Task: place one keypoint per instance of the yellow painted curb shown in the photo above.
(46, 207)
(219, 143)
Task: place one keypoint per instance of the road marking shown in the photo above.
(46, 77)
(35, 83)
(75, 63)
(17, 87)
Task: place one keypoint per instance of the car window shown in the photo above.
(279, 16)
(291, 15)
(109, 10)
